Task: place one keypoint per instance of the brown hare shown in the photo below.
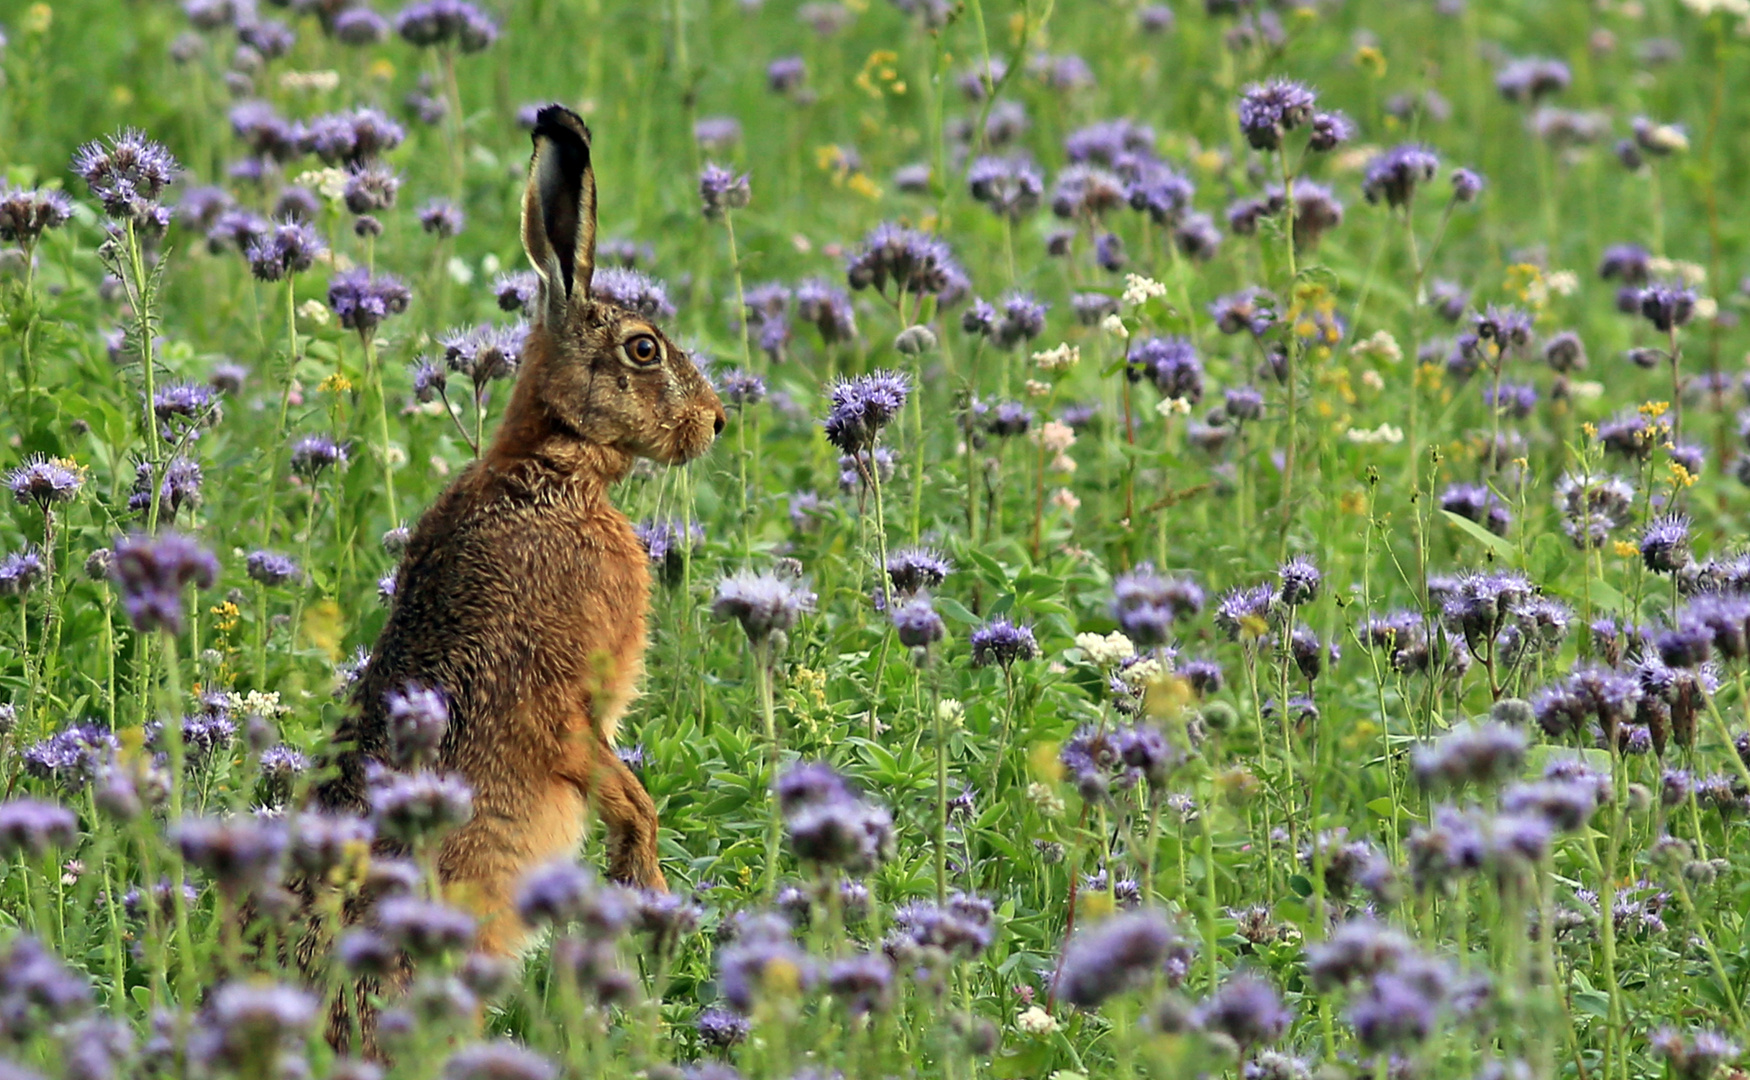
(523, 593)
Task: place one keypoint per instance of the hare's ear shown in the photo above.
(559, 209)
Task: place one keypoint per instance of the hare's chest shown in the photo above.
(587, 591)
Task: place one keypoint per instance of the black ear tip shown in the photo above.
(557, 122)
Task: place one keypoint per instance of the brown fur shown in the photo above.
(524, 592)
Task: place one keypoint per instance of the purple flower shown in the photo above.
(248, 1026)
(786, 74)
(1240, 607)
(516, 291)
(1247, 1010)
(1477, 503)
(484, 353)
(721, 1029)
(72, 757)
(266, 134)
(762, 946)
(1329, 131)
(1124, 951)
(862, 406)
(1002, 642)
(1087, 192)
(913, 570)
(1396, 1011)
(1629, 263)
(846, 833)
(1356, 950)
(418, 718)
(152, 573)
(1300, 580)
(359, 26)
(1270, 110)
(241, 855)
(1525, 82)
(1665, 543)
(44, 482)
(909, 260)
(423, 929)
(668, 544)
(1161, 192)
(1395, 174)
(1171, 363)
(313, 454)
(352, 139)
(633, 290)
(1146, 604)
(441, 218)
(1480, 754)
(446, 22)
(722, 189)
(409, 807)
(1011, 187)
(26, 214)
(1466, 185)
(1695, 1057)
(31, 827)
(917, 624)
(127, 175)
(288, 248)
(1667, 306)
(862, 982)
(761, 603)
(362, 301)
(827, 309)
(961, 930)
(1197, 237)
(498, 1060)
(739, 389)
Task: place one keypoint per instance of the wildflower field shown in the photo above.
(1221, 558)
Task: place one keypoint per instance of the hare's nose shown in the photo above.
(717, 423)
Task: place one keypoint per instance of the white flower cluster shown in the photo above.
(256, 703)
(1062, 358)
(1036, 1021)
(1105, 650)
(1384, 433)
(1140, 290)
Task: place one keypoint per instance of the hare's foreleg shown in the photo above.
(630, 815)
(625, 808)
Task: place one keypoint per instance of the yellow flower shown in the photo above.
(862, 185)
(1652, 410)
(1042, 761)
(1352, 502)
(38, 18)
(225, 616)
(1369, 59)
(1680, 476)
(1625, 549)
(336, 383)
(381, 70)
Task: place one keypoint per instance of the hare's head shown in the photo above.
(602, 373)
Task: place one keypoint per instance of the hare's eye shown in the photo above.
(642, 350)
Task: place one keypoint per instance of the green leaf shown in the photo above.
(1027, 1063)
(1504, 551)
(1300, 885)
(1381, 807)
(1593, 1003)
(955, 610)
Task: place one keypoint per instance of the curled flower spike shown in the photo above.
(44, 482)
(1002, 642)
(762, 603)
(1270, 110)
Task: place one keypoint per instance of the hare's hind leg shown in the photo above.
(630, 815)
